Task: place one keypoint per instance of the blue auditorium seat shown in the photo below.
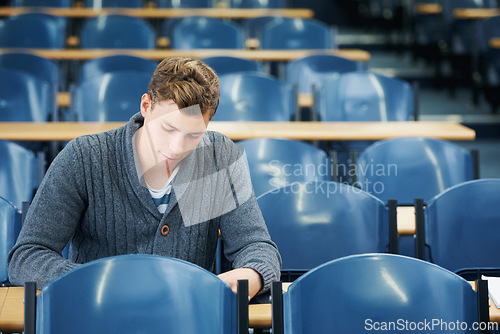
(98, 66)
(313, 70)
(118, 96)
(42, 68)
(10, 226)
(462, 226)
(42, 3)
(114, 3)
(24, 97)
(117, 32)
(274, 163)
(365, 96)
(18, 173)
(33, 30)
(296, 33)
(255, 97)
(257, 4)
(198, 32)
(315, 222)
(184, 3)
(227, 64)
(380, 293)
(137, 294)
(412, 167)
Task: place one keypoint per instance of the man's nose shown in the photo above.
(176, 146)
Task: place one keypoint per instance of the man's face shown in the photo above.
(170, 134)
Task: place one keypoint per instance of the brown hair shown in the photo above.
(186, 81)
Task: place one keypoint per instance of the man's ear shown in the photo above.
(145, 105)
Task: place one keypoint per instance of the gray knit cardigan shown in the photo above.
(92, 195)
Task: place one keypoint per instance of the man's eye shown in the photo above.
(167, 129)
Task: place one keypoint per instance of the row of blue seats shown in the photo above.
(456, 45)
(399, 168)
(148, 3)
(459, 34)
(305, 72)
(318, 221)
(381, 293)
(38, 30)
(396, 169)
(462, 44)
(354, 294)
(336, 81)
(464, 192)
(321, 208)
(326, 220)
(432, 36)
(439, 27)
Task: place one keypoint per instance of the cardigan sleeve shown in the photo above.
(50, 222)
(247, 243)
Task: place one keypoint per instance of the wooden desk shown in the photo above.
(12, 312)
(475, 13)
(459, 13)
(495, 43)
(305, 100)
(3, 295)
(159, 54)
(428, 8)
(64, 100)
(406, 220)
(62, 131)
(163, 13)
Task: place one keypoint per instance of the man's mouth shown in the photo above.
(169, 158)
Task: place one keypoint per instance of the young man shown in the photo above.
(161, 184)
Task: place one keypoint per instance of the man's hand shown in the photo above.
(253, 277)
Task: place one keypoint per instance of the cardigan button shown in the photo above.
(165, 229)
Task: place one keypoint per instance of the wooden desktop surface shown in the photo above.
(64, 100)
(475, 13)
(3, 295)
(495, 43)
(428, 8)
(260, 315)
(162, 13)
(11, 309)
(62, 131)
(459, 13)
(159, 54)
